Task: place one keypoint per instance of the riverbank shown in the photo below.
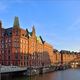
(36, 71)
(43, 70)
(56, 75)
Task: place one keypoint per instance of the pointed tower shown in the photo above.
(16, 26)
(33, 31)
(27, 33)
(0, 24)
(16, 22)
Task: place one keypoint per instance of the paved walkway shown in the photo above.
(7, 69)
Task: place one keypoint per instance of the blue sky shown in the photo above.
(58, 22)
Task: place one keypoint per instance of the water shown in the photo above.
(70, 74)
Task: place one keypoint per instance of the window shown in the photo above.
(9, 40)
(16, 40)
(2, 34)
(9, 44)
(21, 57)
(16, 32)
(2, 45)
(16, 56)
(6, 41)
(21, 41)
(6, 46)
(2, 51)
(26, 42)
(2, 41)
(23, 35)
(16, 63)
(21, 45)
(32, 57)
(8, 51)
(16, 51)
(25, 57)
(21, 63)
(9, 57)
(8, 62)
(16, 45)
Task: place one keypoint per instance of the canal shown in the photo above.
(70, 74)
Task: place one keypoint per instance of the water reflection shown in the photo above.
(71, 74)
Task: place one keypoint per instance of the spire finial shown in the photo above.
(16, 22)
(0, 24)
(33, 29)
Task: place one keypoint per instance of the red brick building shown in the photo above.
(23, 48)
(67, 56)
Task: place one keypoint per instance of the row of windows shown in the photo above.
(6, 51)
(9, 40)
(5, 46)
(2, 41)
(2, 45)
(27, 57)
(2, 34)
(24, 46)
(24, 51)
(5, 41)
(16, 45)
(2, 51)
(16, 51)
(16, 40)
(24, 42)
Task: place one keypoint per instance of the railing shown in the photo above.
(6, 69)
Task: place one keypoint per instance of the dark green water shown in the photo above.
(70, 74)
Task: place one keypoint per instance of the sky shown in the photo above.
(57, 21)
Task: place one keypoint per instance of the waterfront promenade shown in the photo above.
(31, 71)
(11, 69)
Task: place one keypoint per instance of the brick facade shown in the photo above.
(23, 48)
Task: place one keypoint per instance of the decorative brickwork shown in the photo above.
(23, 48)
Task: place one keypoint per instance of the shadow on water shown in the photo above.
(38, 77)
(47, 76)
(70, 74)
(10, 77)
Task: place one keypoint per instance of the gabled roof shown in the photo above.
(8, 32)
(30, 34)
(39, 39)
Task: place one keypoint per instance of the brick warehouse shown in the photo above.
(23, 48)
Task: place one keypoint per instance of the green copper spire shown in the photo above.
(16, 22)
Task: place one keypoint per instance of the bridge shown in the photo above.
(75, 63)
